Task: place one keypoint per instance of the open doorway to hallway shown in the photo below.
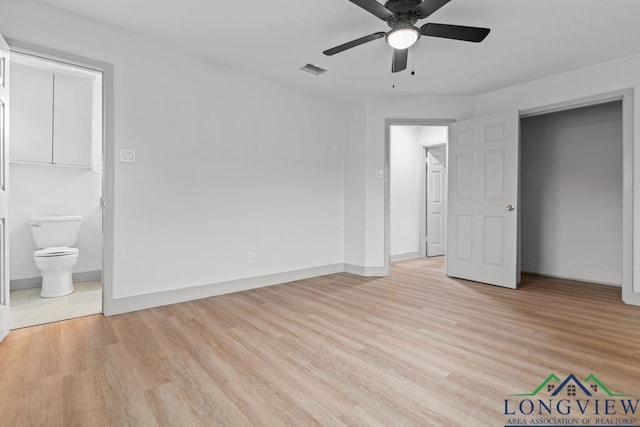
(417, 190)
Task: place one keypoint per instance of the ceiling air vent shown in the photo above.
(312, 69)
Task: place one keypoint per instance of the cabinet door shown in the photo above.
(31, 114)
(72, 120)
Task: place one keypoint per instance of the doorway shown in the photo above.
(417, 163)
(55, 171)
(485, 197)
(572, 193)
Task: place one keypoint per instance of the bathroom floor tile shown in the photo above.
(94, 285)
(80, 297)
(21, 295)
(17, 318)
(87, 309)
(39, 317)
(34, 293)
(29, 309)
(18, 303)
(49, 303)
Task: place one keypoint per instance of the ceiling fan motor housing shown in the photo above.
(399, 6)
(404, 12)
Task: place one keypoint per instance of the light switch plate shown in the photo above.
(127, 155)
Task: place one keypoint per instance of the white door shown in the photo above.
(482, 222)
(436, 201)
(4, 141)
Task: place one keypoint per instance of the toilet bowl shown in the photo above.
(56, 257)
(56, 265)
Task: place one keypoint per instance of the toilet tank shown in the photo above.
(52, 231)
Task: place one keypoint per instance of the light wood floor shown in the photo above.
(415, 348)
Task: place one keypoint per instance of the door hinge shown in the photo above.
(103, 203)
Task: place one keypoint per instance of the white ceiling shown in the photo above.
(529, 39)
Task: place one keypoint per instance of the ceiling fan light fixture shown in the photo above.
(403, 37)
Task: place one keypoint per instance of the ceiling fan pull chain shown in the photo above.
(413, 54)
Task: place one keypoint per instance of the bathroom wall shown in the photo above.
(39, 190)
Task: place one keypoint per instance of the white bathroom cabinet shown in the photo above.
(72, 120)
(31, 114)
(51, 117)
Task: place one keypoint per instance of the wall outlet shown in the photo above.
(251, 257)
(127, 155)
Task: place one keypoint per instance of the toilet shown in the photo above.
(55, 258)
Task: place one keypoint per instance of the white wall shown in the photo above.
(572, 193)
(226, 162)
(610, 76)
(355, 186)
(38, 190)
(432, 135)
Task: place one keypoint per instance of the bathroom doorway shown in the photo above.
(55, 175)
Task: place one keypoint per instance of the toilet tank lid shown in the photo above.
(55, 218)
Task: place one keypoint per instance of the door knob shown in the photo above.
(510, 207)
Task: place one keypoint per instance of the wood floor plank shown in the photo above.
(413, 349)
(83, 399)
(191, 398)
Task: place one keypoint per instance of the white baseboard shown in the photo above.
(611, 279)
(141, 302)
(360, 270)
(630, 297)
(36, 282)
(405, 256)
(87, 276)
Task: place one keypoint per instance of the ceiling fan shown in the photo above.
(401, 16)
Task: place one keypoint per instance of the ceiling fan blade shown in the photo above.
(372, 6)
(354, 43)
(427, 7)
(456, 32)
(399, 60)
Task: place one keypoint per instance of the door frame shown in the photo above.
(626, 96)
(423, 196)
(387, 176)
(108, 151)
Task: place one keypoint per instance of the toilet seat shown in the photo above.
(57, 251)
